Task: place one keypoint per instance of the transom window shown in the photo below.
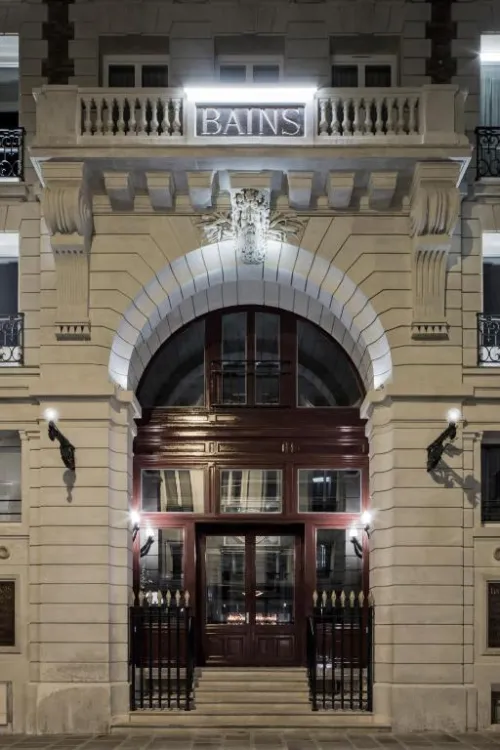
(141, 71)
(329, 491)
(234, 69)
(248, 357)
(364, 71)
(250, 491)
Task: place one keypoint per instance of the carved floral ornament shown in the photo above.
(435, 206)
(251, 224)
(67, 209)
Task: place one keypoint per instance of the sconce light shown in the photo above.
(436, 449)
(366, 521)
(148, 543)
(135, 520)
(66, 449)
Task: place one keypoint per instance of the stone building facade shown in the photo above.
(382, 213)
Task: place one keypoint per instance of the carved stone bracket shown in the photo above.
(67, 209)
(434, 210)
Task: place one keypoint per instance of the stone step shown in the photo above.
(253, 685)
(253, 709)
(209, 696)
(284, 675)
(143, 722)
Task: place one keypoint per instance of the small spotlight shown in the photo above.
(135, 518)
(453, 416)
(366, 519)
(50, 415)
(353, 538)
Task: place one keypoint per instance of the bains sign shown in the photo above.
(247, 121)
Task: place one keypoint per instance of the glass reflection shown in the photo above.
(162, 568)
(233, 350)
(173, 490)
(267, 354)
(225, 576)
(274, 580)
(337, 566)
(250, 491)
(329, 491)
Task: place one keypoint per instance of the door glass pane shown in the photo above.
(161, 569)
(234, 329)
(225, 580)
(266, 73)
(233, 73)
(154, 76)
(344, 76)
(378, 76)
(274, 580)
(267, 355)
(173, 490)
(337, 566)
(121, 76)
(329, 491)
(250, 491)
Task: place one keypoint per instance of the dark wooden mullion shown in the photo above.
(250, 356)
(288, 353)
(213, 353)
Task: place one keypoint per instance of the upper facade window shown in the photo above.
(10, 477)
(234, 69)
(363, 71)
(490, 80)
(490, 483)
(139, 71)
(250, 358)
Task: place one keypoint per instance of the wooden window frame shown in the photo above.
(138, 61)
(248, 63)
(362, 61)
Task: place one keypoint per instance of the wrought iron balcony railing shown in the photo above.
(11, 339)
(247, 383)
(487, 152)
(488, 344)
(12, 153)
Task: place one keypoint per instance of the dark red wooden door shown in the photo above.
(250, 594)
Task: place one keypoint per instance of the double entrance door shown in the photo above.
(250, 596)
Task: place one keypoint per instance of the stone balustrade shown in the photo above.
(399, 116)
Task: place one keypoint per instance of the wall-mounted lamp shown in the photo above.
(66, 449)
(135, 520)
(366, 522)
(436, 449)
(148, 543)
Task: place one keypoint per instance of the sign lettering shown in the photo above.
(269, 122)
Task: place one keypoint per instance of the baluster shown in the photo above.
(176, 123)
(132, 119)
(87, 122)
(401, 126)
(389, 126)
(379, 117)
(120, 122)
(98, 129)
(323, 122)
(412, 115)
(356, 124)
(346, 124)
(154, 116)
(107, 116)
(165, 124)
(335, 124)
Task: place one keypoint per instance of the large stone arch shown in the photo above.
(212, 277)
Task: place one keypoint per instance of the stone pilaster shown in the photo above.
(81, 569)
(419, 569)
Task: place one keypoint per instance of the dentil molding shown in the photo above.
(434, 209)
(67, 210)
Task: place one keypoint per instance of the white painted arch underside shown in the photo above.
(212, 277)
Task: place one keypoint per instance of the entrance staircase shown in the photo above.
(248, 698)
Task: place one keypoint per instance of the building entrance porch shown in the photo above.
(251, 595)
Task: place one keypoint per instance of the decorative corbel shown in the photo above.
(67, 209)
(434, 210)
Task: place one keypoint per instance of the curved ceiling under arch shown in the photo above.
(212, 277)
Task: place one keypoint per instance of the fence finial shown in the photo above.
(342, 599)
(371, 600)
(168, 598)
(187, 597)
(315, 598)
(352, 599)
(142, 598)
(149, 597)
(323, 599)
(361, 598)
(178, 598)
(334, 598)
(159, 598)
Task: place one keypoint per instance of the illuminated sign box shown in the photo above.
(268, 122)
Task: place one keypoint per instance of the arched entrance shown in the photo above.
(251, 475)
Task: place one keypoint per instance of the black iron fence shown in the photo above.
(12, 339)
(488, 343)
(247, 383)
(12, 153)
(487, 152)
(162, 652)
(340, 653)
